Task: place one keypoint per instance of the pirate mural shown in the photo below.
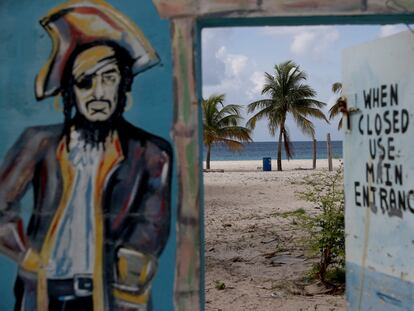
(101, 213)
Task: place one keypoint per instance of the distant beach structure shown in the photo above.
(258, 150)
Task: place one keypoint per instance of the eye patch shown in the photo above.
(85, 83)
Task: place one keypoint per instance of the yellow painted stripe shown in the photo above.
(67, 176)
(144, 271)
(108, 163)
(31, 261)
(131, 298)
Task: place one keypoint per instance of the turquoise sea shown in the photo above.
(259, 150)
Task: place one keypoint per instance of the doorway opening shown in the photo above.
(255, 252)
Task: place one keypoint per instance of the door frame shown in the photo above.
(188, 19)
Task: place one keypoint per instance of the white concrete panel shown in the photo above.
(378, 80)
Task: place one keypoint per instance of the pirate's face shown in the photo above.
(97, 78)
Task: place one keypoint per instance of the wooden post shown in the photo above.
(329, 146)
(314, 153)
(188, 261)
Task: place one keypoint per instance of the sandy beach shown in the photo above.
(257, 166)
(255, 259)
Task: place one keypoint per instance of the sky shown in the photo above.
(234, 61)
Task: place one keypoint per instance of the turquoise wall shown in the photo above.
(25, 48)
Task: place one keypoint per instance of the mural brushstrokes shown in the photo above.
(101, 215)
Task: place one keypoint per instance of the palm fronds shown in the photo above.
(340, 104)
(287, 93)
(222, 124)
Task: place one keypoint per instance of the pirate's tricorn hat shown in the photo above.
(80, 22)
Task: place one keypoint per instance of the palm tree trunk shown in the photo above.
(279, 149)
(208, 156)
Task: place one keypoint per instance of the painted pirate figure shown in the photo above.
(101, 215)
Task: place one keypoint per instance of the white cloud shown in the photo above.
(240, 80)
(302, 42)
(389, 30)
(257, 80)
(213, 68)
(242, 83)
(234, 63)
(313, 40)
(233, 80)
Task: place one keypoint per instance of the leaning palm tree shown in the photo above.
(340, 103)
(288, 94)
(222, 125)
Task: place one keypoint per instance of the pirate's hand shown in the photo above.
(12, 239)
(31, 261)
(134, 272)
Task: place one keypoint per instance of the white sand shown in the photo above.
(239, 166)
(250, 248)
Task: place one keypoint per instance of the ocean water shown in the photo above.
(258, 150)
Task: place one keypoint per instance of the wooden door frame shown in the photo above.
(188, 18)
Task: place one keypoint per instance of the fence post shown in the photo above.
(329, 145)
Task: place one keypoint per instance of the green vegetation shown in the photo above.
(219, 285)
(326, 229)
(222, 124)
(288, 95)
(295, 213)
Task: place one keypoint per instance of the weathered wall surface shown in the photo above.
(263, 8)
(186, 14)
(165, 104)
(25, 49)
(379, 84)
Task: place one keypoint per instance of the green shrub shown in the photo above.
(326, 229)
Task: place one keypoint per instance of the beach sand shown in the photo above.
(254, 257)
(255, 166)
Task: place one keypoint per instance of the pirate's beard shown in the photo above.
(94, 134)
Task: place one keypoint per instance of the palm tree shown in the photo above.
(222, 124)
(287, 94)
(340, 104)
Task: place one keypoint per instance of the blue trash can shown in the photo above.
(267, 164)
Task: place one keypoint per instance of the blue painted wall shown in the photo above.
(367, 289)
(25, 48)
